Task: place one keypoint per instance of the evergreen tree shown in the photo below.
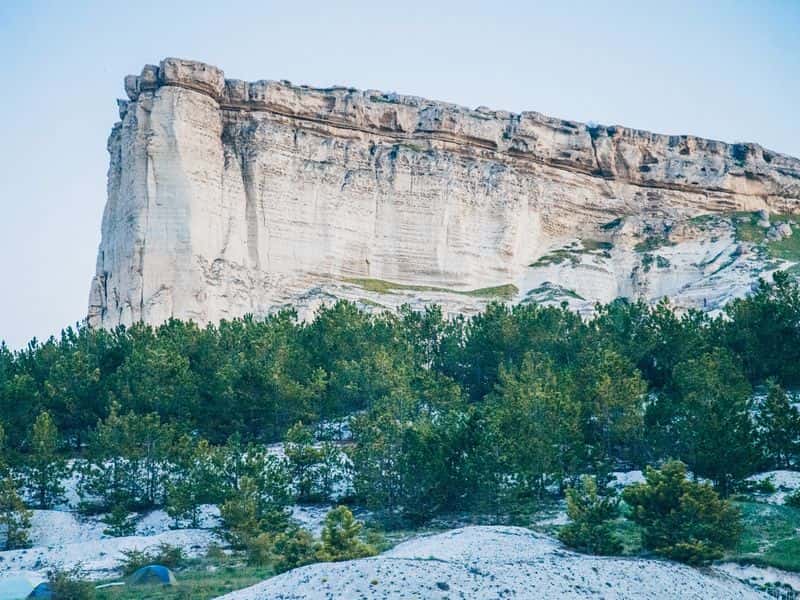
(127, 461)
(590, 515)
(535, 423)
(709, 421)
(3, 461)
(340, 537)
(313, 465)
(44, 468)
(119, 521)
(195, 479)
(401, 459)
(762, 330)
(778, 428)
(293, 548)
(242, 514)
(257, 495)
(612, 396)
(15, 518)
(681, 519)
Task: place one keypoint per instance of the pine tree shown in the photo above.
(241, 515)
(15, 518)
(45, 468)
(681, 519)
(119, 522)
(294, 548)
(195, 479)
(535, 423)
(3, 461)
(340, 537)
(257, 494)
(313, 465)
(303, 458)
(612, 393)
(711, 426)
(590, 516)
(778, 428)
(127, 461)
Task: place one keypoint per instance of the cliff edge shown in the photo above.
(227, 197)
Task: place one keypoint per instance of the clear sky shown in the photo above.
(723, 69)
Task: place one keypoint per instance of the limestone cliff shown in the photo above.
(227, 197)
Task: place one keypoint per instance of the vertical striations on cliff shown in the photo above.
(227, 197)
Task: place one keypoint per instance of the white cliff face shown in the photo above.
(227, 197)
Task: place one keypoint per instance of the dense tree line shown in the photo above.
(478, 413)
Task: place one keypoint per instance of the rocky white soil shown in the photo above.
(61, 540)
(785, 482)
(494, 562)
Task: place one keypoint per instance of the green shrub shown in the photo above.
(681, 519)
(590, 515)
(294, 548)
(15, 518)
(284, 550)
(164, 554)
(793, 499)
(340, 537)
(259, 549)
(70, 585)
(119, 522)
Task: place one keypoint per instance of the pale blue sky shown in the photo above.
(728, 70)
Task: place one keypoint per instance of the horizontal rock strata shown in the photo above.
(228, 197)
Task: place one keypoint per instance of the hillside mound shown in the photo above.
(494, 562)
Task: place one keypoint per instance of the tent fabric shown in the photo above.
(42, 591)
(17, 587)
(153, 574)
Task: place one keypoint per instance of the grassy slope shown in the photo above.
(747, 230)
(770, 539)
(197, 584)
(770, 536)
(379, 286)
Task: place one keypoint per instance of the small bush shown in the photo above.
(681, 519)
(260, 550)
(119, 522)
(793, 499)
(164, 554)
(294, 548)
(216, 554)
(340, 537)
(590, 515)
(285, 550)
(71, 585)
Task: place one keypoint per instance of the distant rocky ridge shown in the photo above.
(227, 197)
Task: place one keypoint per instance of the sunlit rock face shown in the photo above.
(227, 197)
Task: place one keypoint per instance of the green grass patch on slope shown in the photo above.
(770, 536)
(572, 252)
(551, 291)
(197, 584)
(380, 286)
(596, 245)
(555, 257)
(649, 244)
(787, 249)
(746, 227)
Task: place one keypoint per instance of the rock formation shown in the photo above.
(227, 197)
